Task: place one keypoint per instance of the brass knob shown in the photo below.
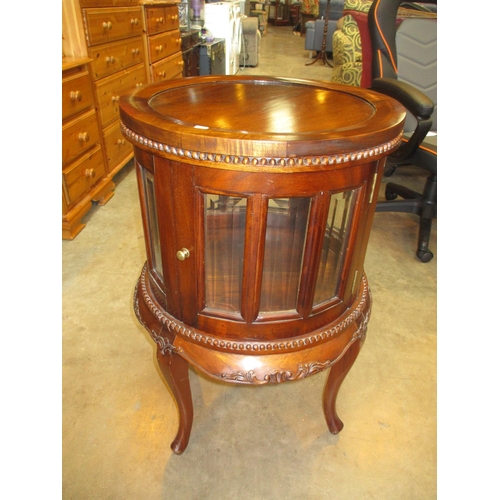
(115, 98)
(174, 18)
(90, 173)
(135, 51)
(182, 254)
(159, 20)
(75, 96)
(107, 25)
(110, 59)
(121, 142)
(83, 137)
(159, 48)
(134, 22)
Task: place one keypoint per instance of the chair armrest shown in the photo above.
(416, 102)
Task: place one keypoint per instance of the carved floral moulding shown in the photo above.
(261, 162)
(359, 315)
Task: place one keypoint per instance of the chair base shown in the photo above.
(424, 205)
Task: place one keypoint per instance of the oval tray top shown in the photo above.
(261, 117)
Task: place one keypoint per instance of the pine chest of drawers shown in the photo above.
(113, 32)
(84, 177)
(163, 41)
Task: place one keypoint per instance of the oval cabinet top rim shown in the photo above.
(245, 109)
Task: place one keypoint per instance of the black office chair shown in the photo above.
(415, 149)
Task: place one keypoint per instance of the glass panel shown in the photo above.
(334, 245)
(283, 254)
(224, 245)
(152, 217)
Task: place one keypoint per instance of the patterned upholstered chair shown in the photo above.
(352, 47)
(349, 38)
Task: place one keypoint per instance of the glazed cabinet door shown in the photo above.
(225, 247)
(170, 227)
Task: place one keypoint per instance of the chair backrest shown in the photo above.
(404, 46)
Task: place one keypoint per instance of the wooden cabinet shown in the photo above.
(256, 241)
(163, 41)
(113, 32)
(84, 177)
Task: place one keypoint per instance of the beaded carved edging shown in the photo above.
(303, 371)
(262, 161)
(273, 346)
(164, 345)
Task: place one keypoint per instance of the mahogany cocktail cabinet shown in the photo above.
(257, 198)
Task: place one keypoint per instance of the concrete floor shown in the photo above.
(247, 443)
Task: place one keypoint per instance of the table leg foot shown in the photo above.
(175, 370)
(335, 378)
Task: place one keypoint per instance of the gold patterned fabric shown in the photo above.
(358, 5)
(346, 43)
(310, 7)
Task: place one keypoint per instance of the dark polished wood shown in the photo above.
(257, 214)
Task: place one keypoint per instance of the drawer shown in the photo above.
(80, 176)
(109, 90)
(117, 148)
(79, 135)
(164, 45)
(159, 19)
(76, 94)
(113, 57)
(167, 68)
(109, 25)
(108, 3)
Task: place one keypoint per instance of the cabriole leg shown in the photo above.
(175, 370)
(335, 378)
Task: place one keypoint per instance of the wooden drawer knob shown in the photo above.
(75, 95)
(83, 137)
(107, 25)
(89, 173)
(159, 48)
